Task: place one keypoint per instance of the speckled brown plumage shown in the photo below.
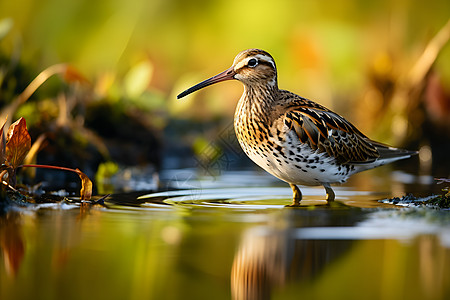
(293, 138)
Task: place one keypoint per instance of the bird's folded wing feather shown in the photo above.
(328, 132)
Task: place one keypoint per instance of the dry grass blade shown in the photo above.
(31, 156)
(429, 55)
(69, 74)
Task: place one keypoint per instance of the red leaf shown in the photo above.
(18, 143)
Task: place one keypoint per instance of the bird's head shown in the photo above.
(253, 67)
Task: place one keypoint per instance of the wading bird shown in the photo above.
(295, 139)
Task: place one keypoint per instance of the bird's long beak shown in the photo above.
(225, 75)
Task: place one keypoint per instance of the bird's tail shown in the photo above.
(390, 154)
(387, 155)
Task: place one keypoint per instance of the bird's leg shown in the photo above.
(330, 192)
(297, 195)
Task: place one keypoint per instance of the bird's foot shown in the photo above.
(330, 193)
(297, 196)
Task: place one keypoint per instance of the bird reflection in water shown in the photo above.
(270, 257)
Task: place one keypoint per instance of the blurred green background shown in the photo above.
(365, 59)
(384, 65)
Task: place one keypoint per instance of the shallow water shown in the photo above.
(232, 236)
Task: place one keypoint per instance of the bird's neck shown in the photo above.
(259, 99)
(256, 106)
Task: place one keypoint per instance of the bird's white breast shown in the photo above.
(285, 157)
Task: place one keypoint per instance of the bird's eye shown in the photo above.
(252, 62)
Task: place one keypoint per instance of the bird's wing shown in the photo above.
(328, 132)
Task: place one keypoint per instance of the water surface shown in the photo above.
(231, 236)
